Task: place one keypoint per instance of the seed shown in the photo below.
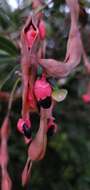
(27, 131)
(46, 103)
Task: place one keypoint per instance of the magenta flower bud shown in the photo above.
(43, 90)
(24, 127)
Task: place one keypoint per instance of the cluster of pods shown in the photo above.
(37, 91)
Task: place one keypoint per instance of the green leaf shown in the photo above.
(59, 95)
(7, 46)
(8, 60)
(5, 19)
(8, 76)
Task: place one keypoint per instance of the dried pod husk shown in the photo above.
(6, 183)
(30, 37)
(5, 129)
(52, 127)
(26, 172)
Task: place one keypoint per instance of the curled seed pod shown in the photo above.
(5, 130)
(24, 127)
(38, 144)
(26, 172)
(4, 157)
(43, 90)
(6, 183)
(52, 127)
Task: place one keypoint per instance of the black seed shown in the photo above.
(46, 103)
(50, 131)
(27, 131)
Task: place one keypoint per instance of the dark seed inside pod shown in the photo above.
(46, 103)
(50, 131)
(27, 131)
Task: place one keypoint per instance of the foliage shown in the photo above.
(66, 164)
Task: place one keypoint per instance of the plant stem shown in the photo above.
(12, 96)
(41, 8)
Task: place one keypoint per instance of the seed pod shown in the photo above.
(42, 30)
(43, 90)
(6, 183)
(24, 127)
(30, 36)
(26, 130)
(5, 130)
(52, 128)
(46, 103)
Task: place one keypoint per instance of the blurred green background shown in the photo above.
(66, 165)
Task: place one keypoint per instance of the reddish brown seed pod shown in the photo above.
(42, 30)
(37, 145)
(6, 183)
(52, 127)
(74, 48)
(5, 129)
(43, 90)
(26, 172)
(24, 127)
